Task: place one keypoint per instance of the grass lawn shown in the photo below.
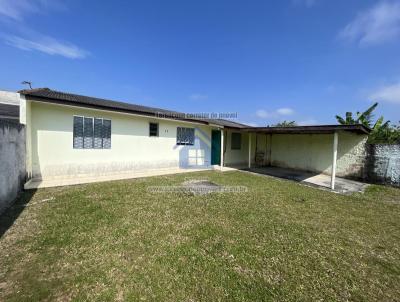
(280, 240)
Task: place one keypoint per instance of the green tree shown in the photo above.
(382, 131)
(386, 134)
(365, 118)
(286, 124)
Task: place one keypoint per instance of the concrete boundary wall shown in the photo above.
(12, 161)
(383, 164)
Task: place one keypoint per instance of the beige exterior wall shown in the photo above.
(132, 150)
(308, 152)
(313, 152)
(238, 158)
(50, 153)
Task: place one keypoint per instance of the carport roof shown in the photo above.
(321, 129)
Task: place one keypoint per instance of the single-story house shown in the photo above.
(75, 137)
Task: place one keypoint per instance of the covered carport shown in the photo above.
(325, 149)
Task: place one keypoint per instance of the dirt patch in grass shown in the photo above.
(201, 186)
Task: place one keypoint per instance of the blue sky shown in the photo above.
(302, 60)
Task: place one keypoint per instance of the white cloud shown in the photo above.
(285, 111)
(307, 3)
(308, 122)
(29, 40)
(261, 113)
(17, 9)
(389, 93)
(198, 96)
(46, 45)
(379, 24)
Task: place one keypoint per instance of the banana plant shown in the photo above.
(364, 118)
(381, 131)
(379, 124)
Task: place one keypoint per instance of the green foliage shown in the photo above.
(385, 134)
(382, 132)
(364, 118)
(286, 124)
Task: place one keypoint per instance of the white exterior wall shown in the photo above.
(132, 150)
(25, 119)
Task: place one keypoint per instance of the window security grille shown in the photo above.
(91, 133)
(185, 136)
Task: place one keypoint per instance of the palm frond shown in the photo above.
(378, 123)
(340, 120)
(349, 118)
(366, 117)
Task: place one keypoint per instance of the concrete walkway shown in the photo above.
(84, 179)
(320, 180)
(342, 185)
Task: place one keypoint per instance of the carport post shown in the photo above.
(222, 150)
(249, 150)
(334, 159)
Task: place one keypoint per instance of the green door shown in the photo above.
(215, 147)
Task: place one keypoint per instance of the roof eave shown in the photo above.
(105, 108)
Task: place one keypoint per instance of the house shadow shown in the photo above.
(198, 155)
(11, 214)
